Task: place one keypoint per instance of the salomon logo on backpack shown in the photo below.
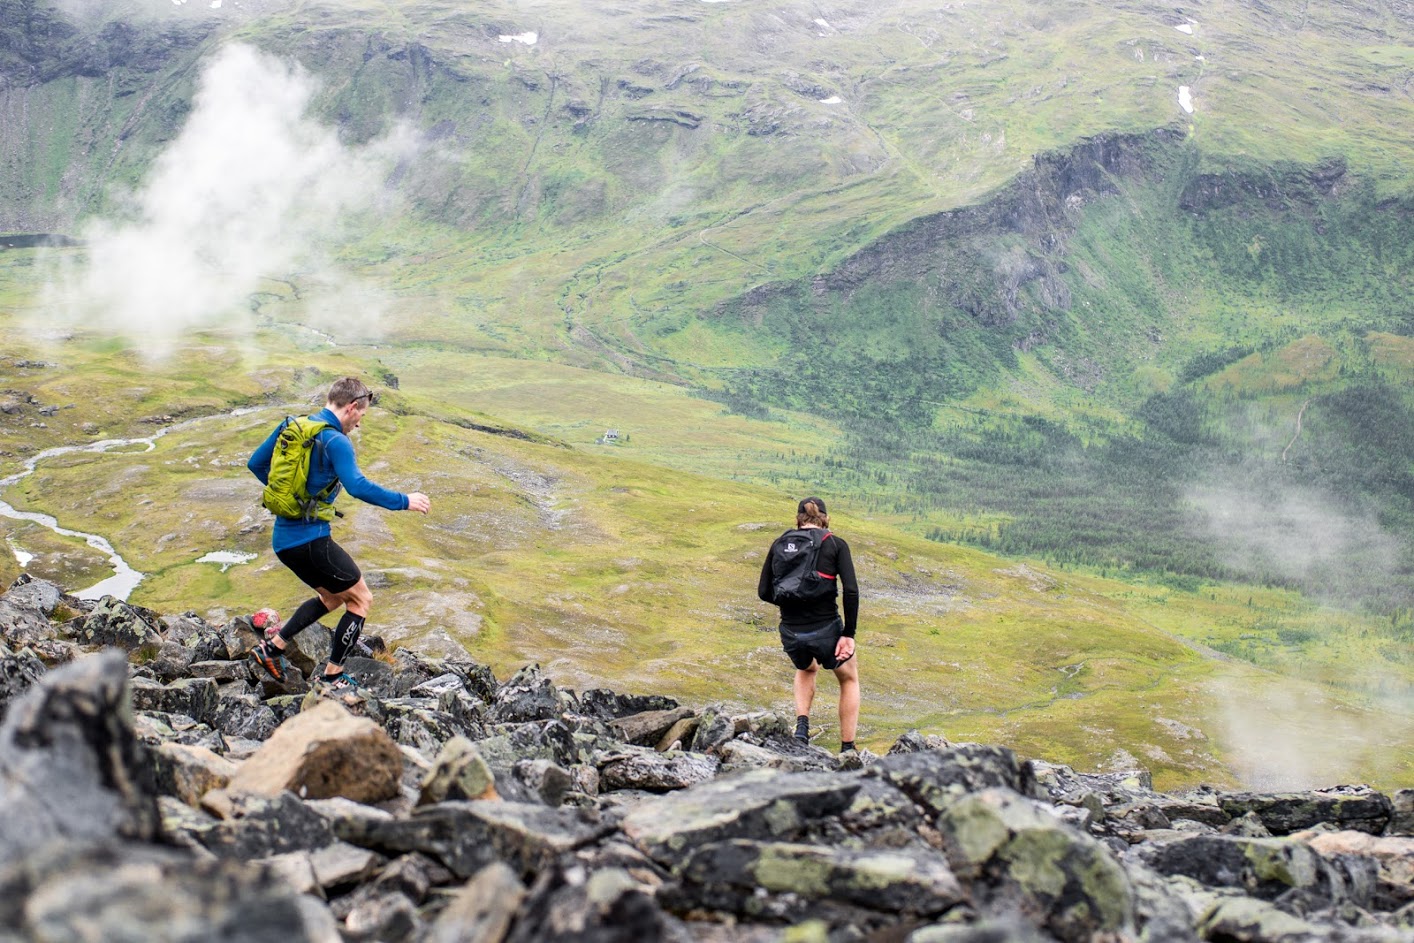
(286, 491)
(795, 571)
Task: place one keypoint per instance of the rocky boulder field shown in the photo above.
(157, 787)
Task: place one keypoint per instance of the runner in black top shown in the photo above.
(814, 635)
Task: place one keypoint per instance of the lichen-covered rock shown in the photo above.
(459, 772)
(22, 625)
(911, 882)
(31, 592)
(154, 894)
(195, 697)
(1261, 867)
(244, 716)
(413, 722)
(607, 705)
(1016, 854)
(1358, 808)
(656, 772)
(528, 696)
(19, 671)
(760, 804)
(250, 826)
(324, 752)
(114, 622)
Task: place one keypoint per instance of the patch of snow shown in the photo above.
(1185, 28)
(1185, 99)
(1199, 59)
(227, 558)
(832, 100)
(822, 23)
(529, 39)
(21, 556)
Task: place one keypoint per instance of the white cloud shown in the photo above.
(252, 187)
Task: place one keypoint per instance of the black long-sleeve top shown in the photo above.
(834, 559)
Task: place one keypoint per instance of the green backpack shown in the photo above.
(286, 491)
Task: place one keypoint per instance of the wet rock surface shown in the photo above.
(155, 788)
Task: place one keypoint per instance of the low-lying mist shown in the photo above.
(252, 188)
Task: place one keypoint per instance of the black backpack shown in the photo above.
(795, 570)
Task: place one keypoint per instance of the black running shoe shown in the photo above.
(802, 730)
(271, 659)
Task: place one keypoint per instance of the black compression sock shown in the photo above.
(309, 612)
(345, 635)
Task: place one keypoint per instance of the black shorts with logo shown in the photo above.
(322, 564)
(806, 645)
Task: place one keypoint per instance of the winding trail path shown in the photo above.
(1298, 431)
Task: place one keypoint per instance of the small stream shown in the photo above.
(124, 579)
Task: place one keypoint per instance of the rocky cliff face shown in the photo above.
(160, 789)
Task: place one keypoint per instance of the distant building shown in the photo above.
(610, 436)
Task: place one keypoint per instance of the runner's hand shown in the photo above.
(417, 501)
(844, 648)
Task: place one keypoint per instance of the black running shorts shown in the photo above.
(322, 564)
(812, 645)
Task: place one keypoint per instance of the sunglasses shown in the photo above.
(371, 396)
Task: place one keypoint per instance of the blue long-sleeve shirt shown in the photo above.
(334, 460)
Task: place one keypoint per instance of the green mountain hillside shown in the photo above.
(1093, 319)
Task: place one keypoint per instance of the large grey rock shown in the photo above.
(606, 705)
(389, 917)
(467, 836)
(254, 826)
(1018, 855)
(1345, 807)
(603, 906)
(482, 910)
(156, 895)
(545, 740)
(413, 723)
(19, 671)
(656, 772)
(759, 804)
(459, 772)
(195, 697)
(30, 592)
(528, 696)
(1393, 857)
(71, 768)
(1401, 819)
(648, 727)
(1265, 868)
(936, 778)
(22, 625)
(732, 874)
(114, 622)
(545, 780)
(244, 716)
(189, 772)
